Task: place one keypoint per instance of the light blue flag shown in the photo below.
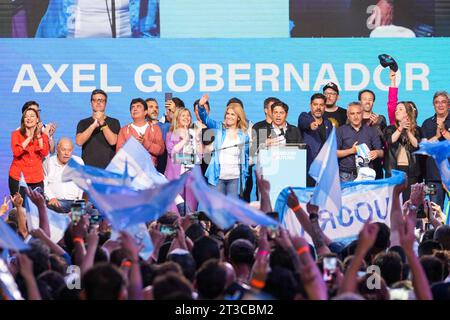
(126, 207)
(135, 161)
(224, 210)
(440, 151)
(325, 170)
(142, 237)
(361, 200)
(22, 182)
(58, 222)
(9, 239)
(82, 175)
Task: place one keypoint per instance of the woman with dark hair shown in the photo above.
(29, 146)
(403, 139)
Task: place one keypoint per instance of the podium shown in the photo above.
(283, 166)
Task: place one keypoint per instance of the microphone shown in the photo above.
(113, 24)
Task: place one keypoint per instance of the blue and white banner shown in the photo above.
(361, 201)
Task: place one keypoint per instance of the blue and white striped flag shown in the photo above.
(135, 160)
(58, 222)
(9, 239)
(440, 151)
(126, 207)
(82, 175)
(325, 170)
(224, 210)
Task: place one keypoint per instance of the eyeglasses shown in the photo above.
(330, 94)
(99, 100)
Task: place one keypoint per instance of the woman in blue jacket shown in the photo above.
(227, 169)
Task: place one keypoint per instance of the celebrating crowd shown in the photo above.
(193, 258)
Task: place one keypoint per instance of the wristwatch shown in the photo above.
(412, 207)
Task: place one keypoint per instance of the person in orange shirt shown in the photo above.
(29, 146)
(147, 133)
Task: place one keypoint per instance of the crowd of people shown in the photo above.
(195, 259)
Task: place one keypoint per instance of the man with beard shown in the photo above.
(335, 114)
(367, 98)
(315, 129)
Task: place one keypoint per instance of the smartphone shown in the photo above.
(168, 96)
(168, 230)
(194, 218)
(430, 189)
(77, 210)
(329, 267)
(272, 233)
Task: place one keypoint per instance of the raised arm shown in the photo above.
(210, 123)
(132, 253)
(392, 97)
(407, 238)
(39, 201)
(366, 239)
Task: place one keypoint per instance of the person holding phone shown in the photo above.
(228, 167)
(29, 147)
(183, 148)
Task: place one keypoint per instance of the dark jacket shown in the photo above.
(390, 159)
(312, 137)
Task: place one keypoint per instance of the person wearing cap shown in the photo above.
(349, 136)
(335, 114)
(97, 135)
(367, 99)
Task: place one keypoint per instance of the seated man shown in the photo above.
(60, 194)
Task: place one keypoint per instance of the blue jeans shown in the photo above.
(228, 187)
(347, 176)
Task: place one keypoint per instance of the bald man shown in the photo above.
(60, 195)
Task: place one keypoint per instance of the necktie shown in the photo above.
(282, 132)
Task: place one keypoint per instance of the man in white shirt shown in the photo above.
(60, 194)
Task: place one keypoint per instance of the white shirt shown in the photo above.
(93, 21)
(140, 130)
(53, 185)
(229, 159)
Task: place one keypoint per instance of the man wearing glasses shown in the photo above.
(335, 114)
(97, 135)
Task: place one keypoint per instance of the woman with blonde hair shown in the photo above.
(227, 170)
(403, 139)
(183, 150)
